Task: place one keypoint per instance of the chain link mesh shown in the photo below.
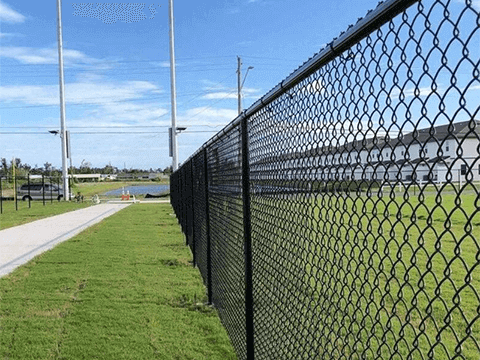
(364, 201)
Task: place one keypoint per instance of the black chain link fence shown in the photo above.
(339, 216)
(23, 191)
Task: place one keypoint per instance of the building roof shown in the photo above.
(458, 130)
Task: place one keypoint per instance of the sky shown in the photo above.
(117, 75)
(117, 72)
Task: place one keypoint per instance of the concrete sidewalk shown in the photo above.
(20, 244)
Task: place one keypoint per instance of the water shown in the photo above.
(140, 190)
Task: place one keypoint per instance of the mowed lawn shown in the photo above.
(122, 289)
(23, 212)
(37, 211)
(391, 276)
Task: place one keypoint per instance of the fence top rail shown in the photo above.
(384, 12)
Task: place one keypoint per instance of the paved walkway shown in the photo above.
(20, 244)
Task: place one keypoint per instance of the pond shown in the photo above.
(140, 190)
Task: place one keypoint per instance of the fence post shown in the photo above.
(247, 231)
(1, 196)
(43, 189)
(29, 197)
(192, 219)
(207, 229)
(184, 207)
(51, 191)
(15, 190)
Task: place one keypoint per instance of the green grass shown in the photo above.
(10, 217)
(122, 289)
(376, 271)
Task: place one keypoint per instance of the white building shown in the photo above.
(437, 154)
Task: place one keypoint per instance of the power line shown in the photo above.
(82, 104)
(131, 73)
(103, 132)
(105, 126)
(215, 102)
(126, 61)
(199, 94)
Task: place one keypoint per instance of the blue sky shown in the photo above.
(117, 74)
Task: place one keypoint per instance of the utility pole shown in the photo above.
(239, 81)
(63, 135)
(173, 91)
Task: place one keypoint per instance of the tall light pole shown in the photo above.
(240, 83)
(173, 91)
(63, 135)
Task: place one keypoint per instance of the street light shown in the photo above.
(240, 85)
(245, 78)
(69, 152)
(172, 140)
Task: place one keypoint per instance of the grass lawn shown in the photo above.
(387, 276)
(122, 289)
(10, 217)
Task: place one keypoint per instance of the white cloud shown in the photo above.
(220, 95)
(211, 112)
(475, 3)
(221, 92)
(4, 35)
(163, 64)
(207, 116)
(9, 15)
(76, 93)
(245, 43)
(417, 92)
(27, 55)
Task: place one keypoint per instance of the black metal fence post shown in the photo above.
(207, 230)
(43, 189)
(247, 229)
(184, 203)
(51, 190)
(15, 194)
(1, 196)
(192, 213)
(29, 197)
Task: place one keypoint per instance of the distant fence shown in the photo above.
(339, 216)
(26, 189)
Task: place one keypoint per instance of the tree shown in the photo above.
(4, 165)
(48, 168)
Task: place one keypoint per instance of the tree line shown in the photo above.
(23, 169)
